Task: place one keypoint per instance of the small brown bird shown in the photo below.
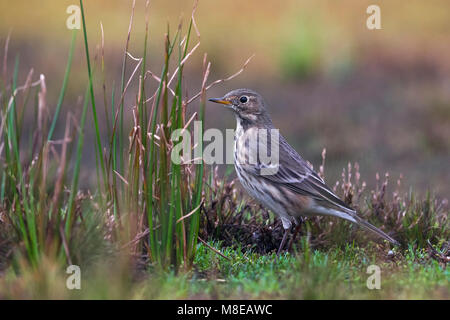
(288, 186)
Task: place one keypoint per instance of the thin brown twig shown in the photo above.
(222, 80)
(65, 245)
(213, 249)
(190, 213)
(121, 178)
(183, 62)
(193, 19)
(154, 76)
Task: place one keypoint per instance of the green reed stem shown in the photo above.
(64, 85)
(94, 109)
(76, 170)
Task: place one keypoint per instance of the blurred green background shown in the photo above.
(377, 97)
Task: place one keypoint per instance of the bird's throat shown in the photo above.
(243, 123)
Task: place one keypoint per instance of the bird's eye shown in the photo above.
(243, 99)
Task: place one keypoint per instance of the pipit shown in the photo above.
(288, 186)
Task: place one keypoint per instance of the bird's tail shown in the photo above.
(350, 215)
(363, 223)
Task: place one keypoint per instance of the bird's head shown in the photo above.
(247, 104)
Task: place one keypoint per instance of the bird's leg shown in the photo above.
(296, 232)
(283, 241)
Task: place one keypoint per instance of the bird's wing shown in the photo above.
(296, 174)
(303, 182)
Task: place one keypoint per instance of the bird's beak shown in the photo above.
(221, 101)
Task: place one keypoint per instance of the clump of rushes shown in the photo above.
(155, 202)
(144, 203)
(160, 200)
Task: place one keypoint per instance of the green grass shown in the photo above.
(316, 274)
(331, 274)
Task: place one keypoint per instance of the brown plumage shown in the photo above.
(292, 188)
